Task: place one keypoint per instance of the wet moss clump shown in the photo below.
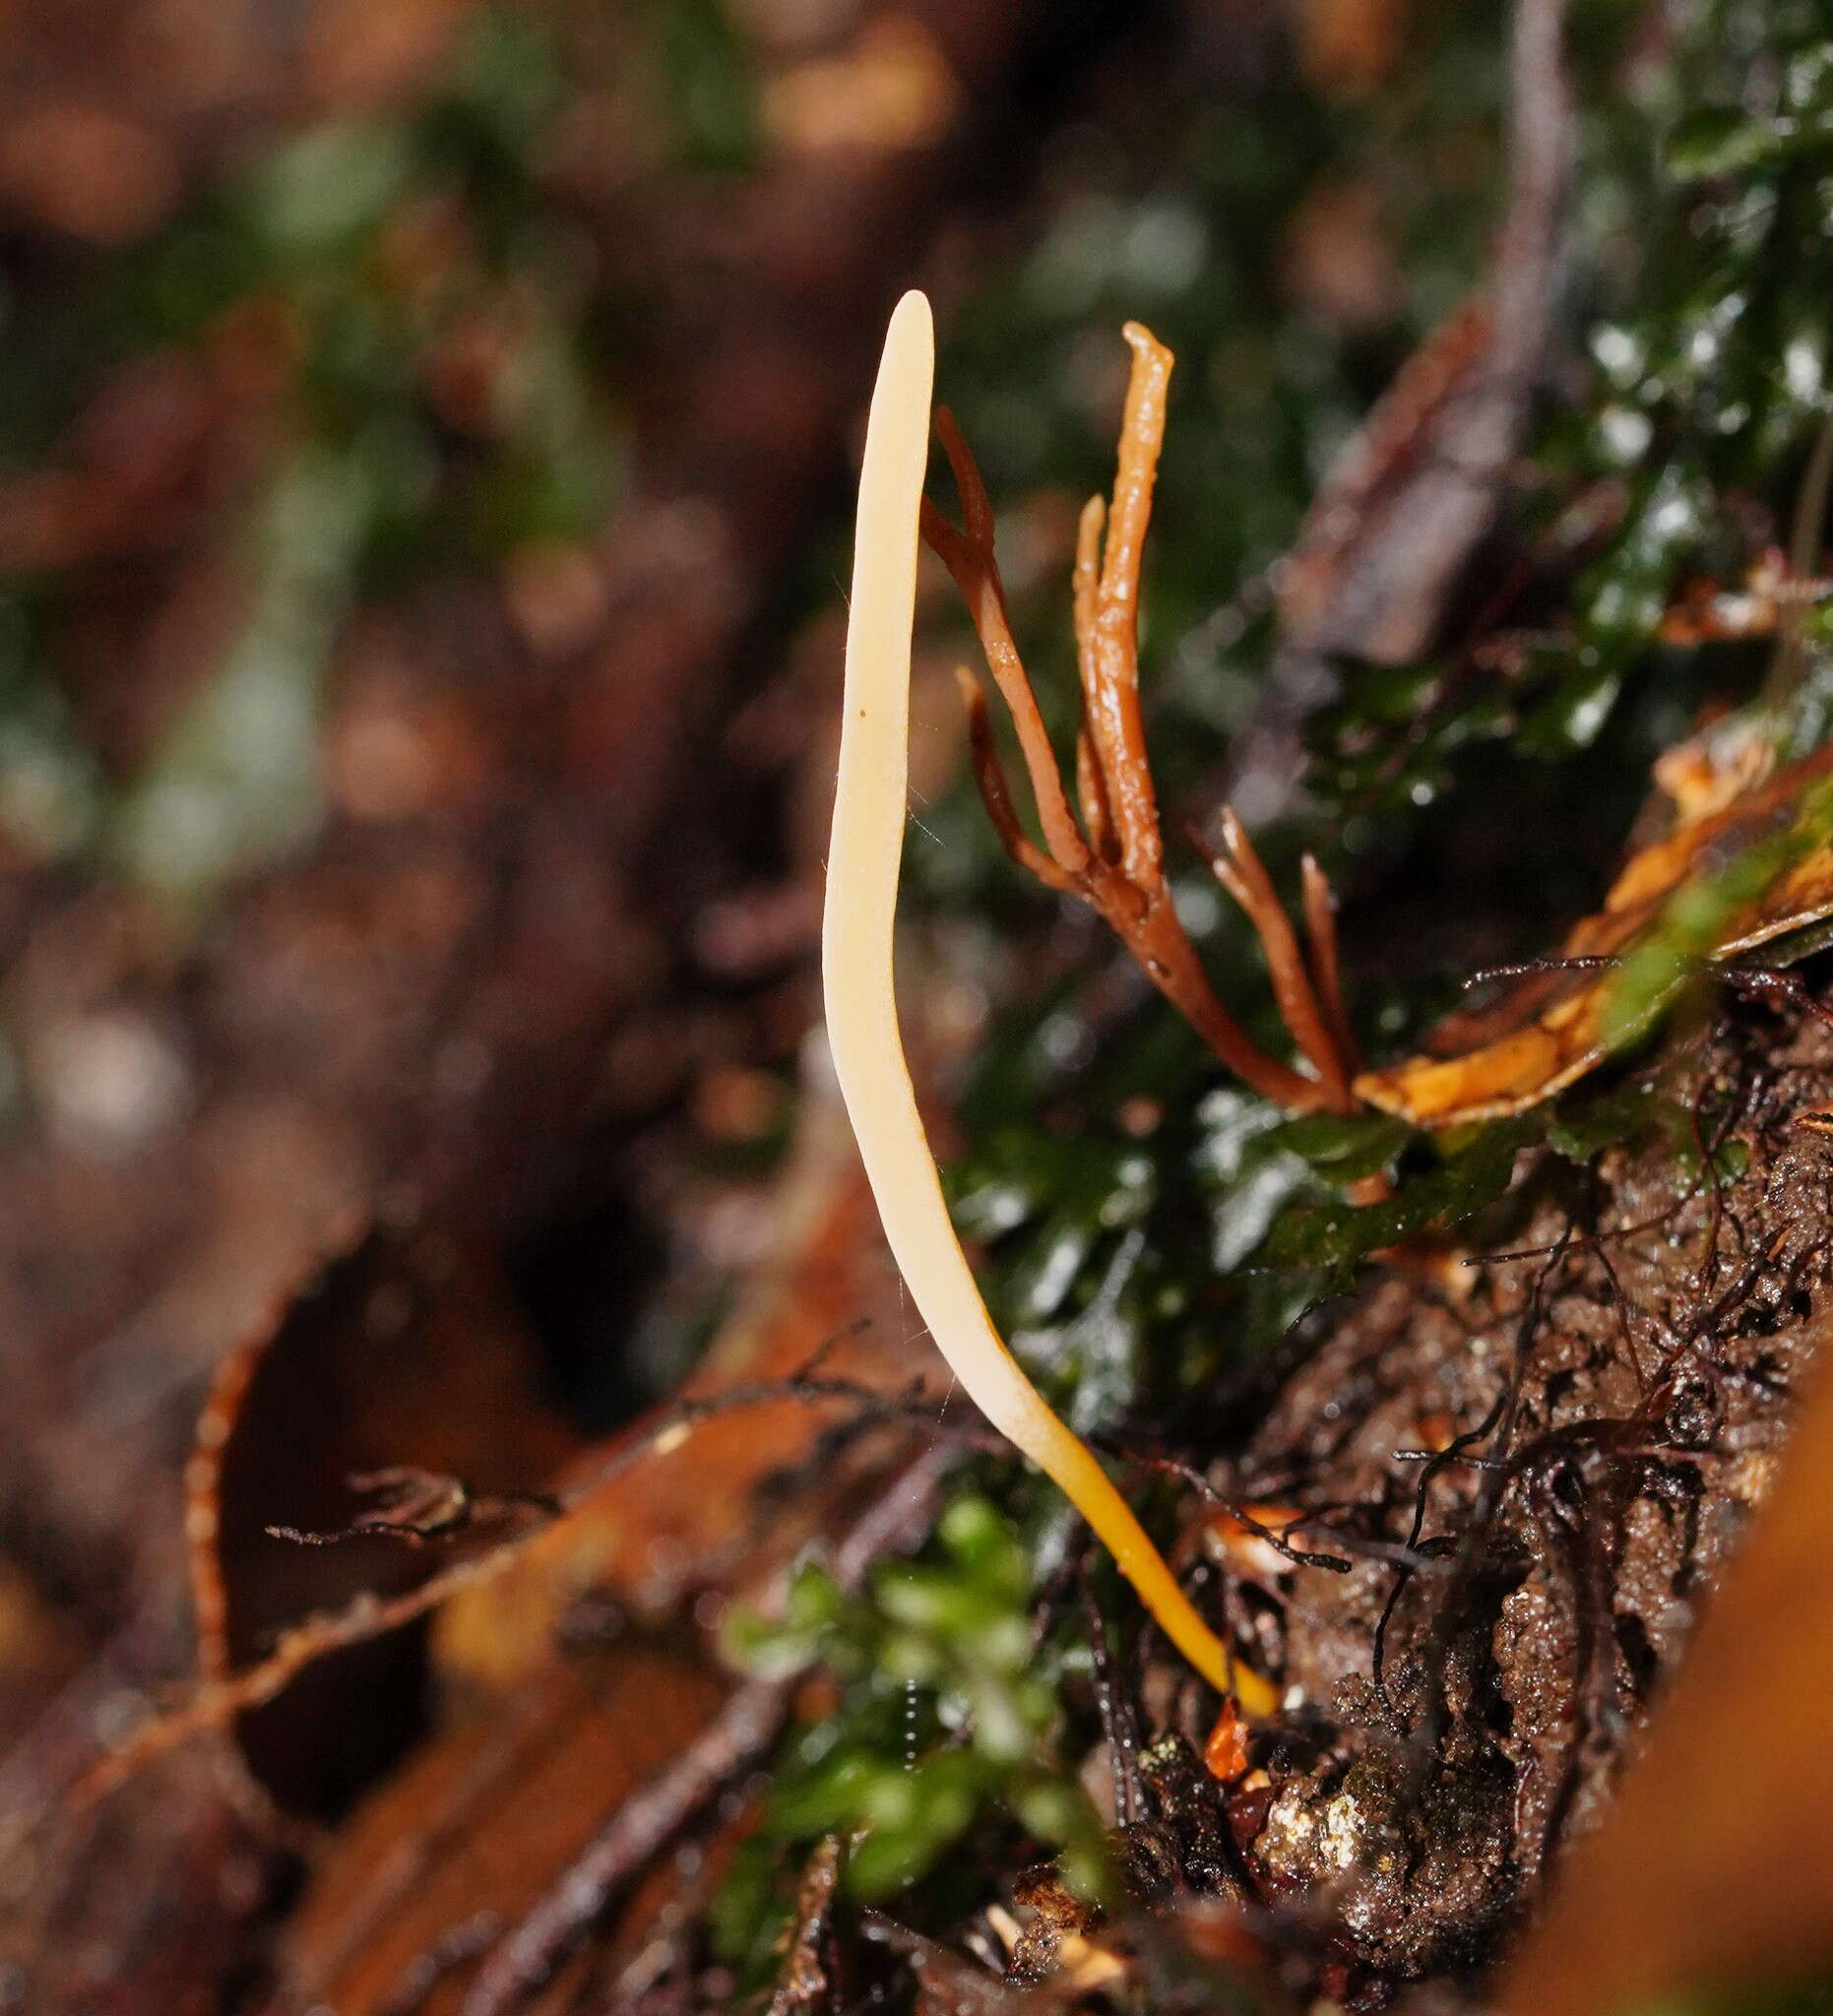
(945, 1739)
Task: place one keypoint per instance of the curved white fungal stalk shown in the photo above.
(864, 860)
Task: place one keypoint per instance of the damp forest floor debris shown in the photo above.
(484, 1531)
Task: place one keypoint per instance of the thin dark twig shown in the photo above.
(1520, 969)
(1123, 1738)
(1274, 1537)
(1500, 1423)
(1775, 987)
(421, 1506)
(218, 1700)
(522, 1964)
(1435, 1466)
(1619, 1304)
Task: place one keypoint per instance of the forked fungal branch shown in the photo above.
(864, 860)
(1113, 859)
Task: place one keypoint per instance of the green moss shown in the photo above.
(945, 1736)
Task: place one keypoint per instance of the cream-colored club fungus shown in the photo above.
(864, 860)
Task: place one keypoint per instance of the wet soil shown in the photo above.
(1532, 1465)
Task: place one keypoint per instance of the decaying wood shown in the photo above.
(1715, 1869)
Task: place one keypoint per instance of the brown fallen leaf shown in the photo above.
(399, 1351)
(480, 1821)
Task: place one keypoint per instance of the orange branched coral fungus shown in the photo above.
(1114, 856)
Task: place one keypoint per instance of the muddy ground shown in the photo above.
(1524, 1470)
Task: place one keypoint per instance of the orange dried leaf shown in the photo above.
(1552, 1028)
(1237, 1539)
